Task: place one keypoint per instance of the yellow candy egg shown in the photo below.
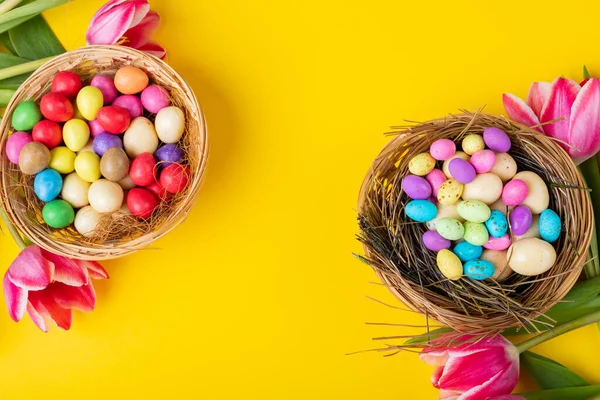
(87, 166)
(472, 143)
(62, 160)
(458, 154)
(450, 192)
(449, 264)
(89, 101)
(76, 134)
(105, 196)
(421, 164)
(76, 113)
(75, 190)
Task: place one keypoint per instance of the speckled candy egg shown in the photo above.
(532, 232)
(505, 167)
(465, 251)
(472, 143)
(450, 192)
(444, 211)
(86, 221)
(105, 196)
(435, 242)
(485, 187)
(501, 243)
(475, 233)
(449, 264)
(538, 197)
(483, 161)
(421, 164)
(75, 190)
(496, 139)
(140, 137)
(435, 178)
(421, 210)
(498, 259)
(461, 170)
(170, 125)
(497, 224)
(478, 269)
(15, 144)
(450, 228)
(105, 141)
(442, 149)
(549, 226)
(520, 220)
(473, 210)
(168, 154)
(514, 192)
(446, 164)
(531, 256)
(47, 185)
(415, 187)
(33, 158)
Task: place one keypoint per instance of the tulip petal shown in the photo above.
(519, 111)
(38, 319)
(562, 96)
(155, 49)
(30, 270)
(584, 124)
(448, 395)
(108, 26)
(16, 299)
(80, 298)
(503, 382)
(141, 33)
(539, 92)
(67, 270)
(507, 397)
(95, 270)
(481, 367)
(43, 302)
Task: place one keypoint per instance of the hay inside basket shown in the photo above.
(118, 233)
(393, 244)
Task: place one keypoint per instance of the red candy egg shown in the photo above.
(141, 202)
(56, 107)
(48, 133)
(142, 169)
(113, 119)
(159, 191)
(66, 83)
(174, 178)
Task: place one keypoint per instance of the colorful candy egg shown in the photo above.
(140, 137)
(434, 241)
(475, 233)
(89, 101)
(450, 228)
(520, 220)
(465, 251)
(435, 178)
(62, 160)
(461, 170)
(87, 166)
(175, 178)
(170, 124)
(95, 128)
(104, 141)
(472, 143)
(171, 153)
(478, 269)
(75, 190)
(143, 169)
(56, 107)
(48, 133)
(531, 256)
(47, 185)
(86, 221)
(538, 197)
(130, 80)
(114, 164)
(417, 210)
(58, 214)
(131, 103)
(483, 161)
(549, 226)
(514, 192)
(15, 144)
(113, 119)
(496, 139)
(67, 83)
(498, 259)
(141, 202)
(473, 210)
(442, 149)
(446, 164)
(500, 206)
(497, 224)
(532, 232)
(414, 186)
(105, 196)
(500, 243)
(485, 187)
(26, 115)
(449, 264)
(126, 183)
(155, 98)
(450, 192)
(505, 167)
(444, 211)
(34, 157)
(106, 86)
(159, 191)
(76, 134)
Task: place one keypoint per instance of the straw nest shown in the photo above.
(119, 233)
(393, 245)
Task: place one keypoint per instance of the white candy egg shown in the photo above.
(170, 124)
(140, 137)
(505, 166)
(126, 183)
(531, 256)
(538, 197)
(485, 187)
(75, 190)
(533, 231)
(105, 196)
(86, 220)
(88, 147)
(500, 206)
(498, 259)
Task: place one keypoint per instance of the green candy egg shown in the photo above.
(476, 233)
(26, 115)
(450, 228)
(58, 214)
(473, 210)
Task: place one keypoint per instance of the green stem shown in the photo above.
(559, 330)
(8, 5)
(12, 229)
(24, 68)
(5, 96)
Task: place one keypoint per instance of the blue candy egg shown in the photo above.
(421, 210)
(497, 224)
(465, 251)
(549, 225)
(47, 185)
(478, 269)
(105, 141)
(169, 154)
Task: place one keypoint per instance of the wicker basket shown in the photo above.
(17, 196)
(393, 244)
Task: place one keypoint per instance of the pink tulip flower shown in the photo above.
(127, 22)
(578, 132)
(49, 286)
(485, 369)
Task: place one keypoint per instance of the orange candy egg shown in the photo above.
(130, 80)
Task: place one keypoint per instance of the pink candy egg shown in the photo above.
(435, 178)
(442, 149)
(155, 98)
(15, 144)
(514, 192)
(95, 128)
(501, 243)
(483, 161)
(106, 86)
(131, 103)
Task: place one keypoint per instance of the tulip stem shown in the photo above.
(8, 5)
(559, 330)
(24, 68)
(12, 229)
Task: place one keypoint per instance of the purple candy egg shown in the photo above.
(168, 154)
(496, 139)
(106, 86)
(131, 103)
(461, 170)
(520, 220)
(105, 141)
(415, 187)
(95, 128)
(15, 144)
(435, 242)
(155, 98)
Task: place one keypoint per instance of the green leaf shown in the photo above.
(572, 393)
(5, 39)
(14, 82)
(45, 44)
(27, 10)
(428, 336)
(5, 96)
(548, 373)
(586, 74)
(591, 175)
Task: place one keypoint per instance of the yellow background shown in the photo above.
(257, 295)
